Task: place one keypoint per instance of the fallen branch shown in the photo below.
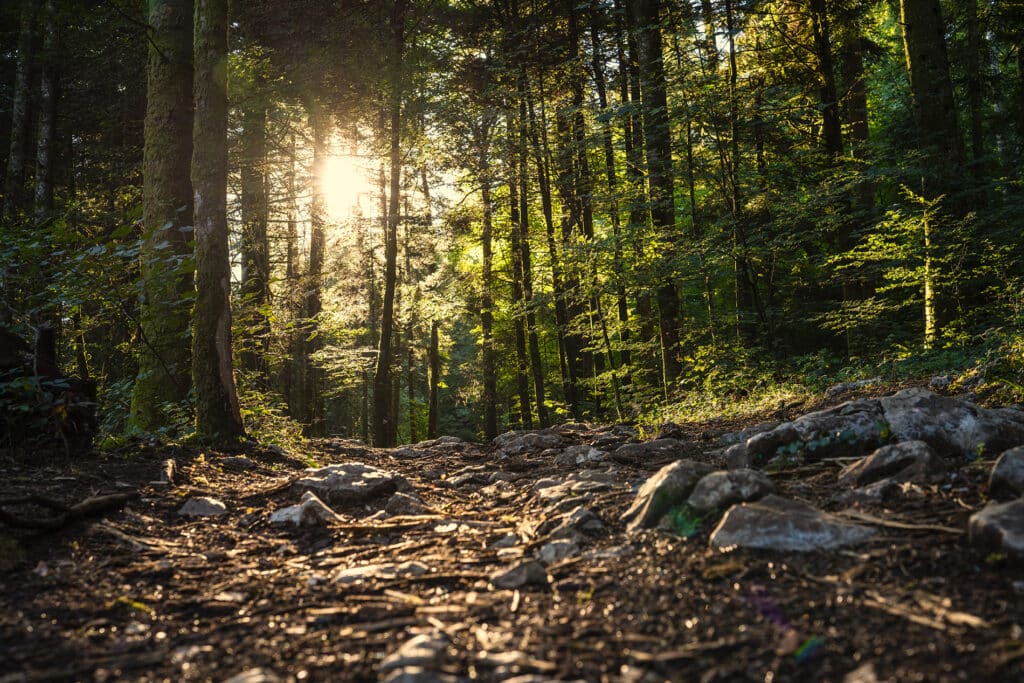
(90, 507)
(878, 521)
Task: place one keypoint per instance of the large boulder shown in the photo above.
(775, 523)
(670, 486)
(658, 449)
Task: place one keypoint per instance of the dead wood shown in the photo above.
(90, 507)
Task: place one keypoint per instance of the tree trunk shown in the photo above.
(255, 247)
(217, 412)
(975, 82)
(658, 145)
(490, 397)
(167, 280)
(935, 110)
(312, 289)
(383, 420)
(21, 105)
(434, 356)
(828, 98)
(47, 130)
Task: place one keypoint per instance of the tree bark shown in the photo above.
(490, 397)
(21, 105)
(255, 247)
(434, 357)
(217, 413)
(47, 130)
(832, 126)
(383, 419)
(166, 254)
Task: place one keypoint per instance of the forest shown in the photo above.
(390, 220)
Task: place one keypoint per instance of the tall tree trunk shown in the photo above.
(828, 98)
(935, 111)
(312, 289)
(21, 106)
(520, 305)
(217, 412)
(975, 79)
(658, 145)
(434, 357)
(255, 247)
(47, 129)
(490, 397)
(167, 281)
(383, 421)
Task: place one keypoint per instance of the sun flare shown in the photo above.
(345, 183)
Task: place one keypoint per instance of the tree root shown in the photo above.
(90, 507)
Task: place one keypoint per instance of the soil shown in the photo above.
(141, 593)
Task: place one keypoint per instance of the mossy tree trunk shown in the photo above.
(166, 257)
(217, 412)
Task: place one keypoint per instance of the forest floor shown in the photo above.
(143, 593)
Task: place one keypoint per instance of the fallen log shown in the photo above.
(90, 507)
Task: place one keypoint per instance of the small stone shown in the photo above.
(203, 507)
(862, 674)
(775, 523)
(529, 573)
(1007, 479)
(557, 550)
(720, 489)
(582, 454)
(405, 504)
(422, 650)
(579, 521)
(507, 541)
(669, 486)
(913, 461)
(311, 510)
(999, 527)
(260, 675)
(670, 430)
(237, 462)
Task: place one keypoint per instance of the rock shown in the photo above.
(380, 571)
(638, 453)
(940, 382)
(579, 521)
(529, 573)
(409, 453)
(202, 507)
(862, 674)
(405, 504)
(736, 457)
(311, 510)
(670, 430)
(775, 523)
(513, 443)
(467, 479)
(761, 447)
(742, 436)
(999, 527)
(237, 462)
(582, 454)
(1007, 478)
(348, 483)
(913, 461)
(720, 489)
(950, 426)
(669, 486)
(557, 550)
(443, 443)
(416, 674)
(844, 387)
(423, 650)
(260, 675)
(507, 541)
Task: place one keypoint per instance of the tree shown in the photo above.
(14, 178)
(166, 255)
(217, 412)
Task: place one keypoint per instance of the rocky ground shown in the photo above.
(877, 540)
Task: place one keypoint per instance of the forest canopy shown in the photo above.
(392, 220)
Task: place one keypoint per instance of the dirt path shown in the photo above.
(147, 594)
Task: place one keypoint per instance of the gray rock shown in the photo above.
(348, 483)
(907, 461)
(423, 650)
(310, 511)
(950, 426)
(742, 436)
(557, 550)
(410, 453)
(405, 504)
(582, 454)
(671, 430)
(999, 527)
(443, 443)
(775, 523)
(507, 541)
(417, 674)
(719, 489)
(761, 447)
(379, 571)
(670, 486)
(844, 387)
(513, 443)
(736, 457)
(638, 453)
(578, 521)
(529, 573)
(202, 507)
(260, 675)
(1007, 478)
